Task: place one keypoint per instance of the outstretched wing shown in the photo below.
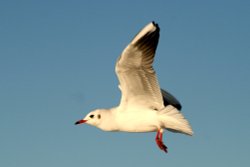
(138, 81)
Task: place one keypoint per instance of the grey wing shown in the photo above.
(138, 81)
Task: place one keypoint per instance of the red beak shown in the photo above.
(80, 122)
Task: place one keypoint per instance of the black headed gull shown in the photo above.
(144, 107)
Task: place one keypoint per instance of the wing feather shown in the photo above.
(138, 80)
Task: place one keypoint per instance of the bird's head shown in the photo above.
(93, 118)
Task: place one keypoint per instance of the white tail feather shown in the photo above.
(173, 120)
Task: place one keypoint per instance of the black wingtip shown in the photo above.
(155, 24)
(170, 99)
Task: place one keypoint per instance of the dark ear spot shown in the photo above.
(99, 116)
(154, 108)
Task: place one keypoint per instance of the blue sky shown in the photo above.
(57, 63)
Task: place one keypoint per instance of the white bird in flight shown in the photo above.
(144, 107)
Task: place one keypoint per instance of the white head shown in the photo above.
(100, 118)
(93, 118)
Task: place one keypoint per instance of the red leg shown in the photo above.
(159, 142)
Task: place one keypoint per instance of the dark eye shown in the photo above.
(99, 116)
(92, 116)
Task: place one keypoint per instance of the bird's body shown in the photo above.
(134, 121)
(131, 118)
(144, 107)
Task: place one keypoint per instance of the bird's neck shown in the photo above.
(108, 122)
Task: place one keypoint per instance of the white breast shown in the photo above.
(141, 120)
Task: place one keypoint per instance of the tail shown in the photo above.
(174, 121)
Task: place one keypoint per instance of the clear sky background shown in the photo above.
(57, 63)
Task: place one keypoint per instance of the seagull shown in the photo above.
(144, 106)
